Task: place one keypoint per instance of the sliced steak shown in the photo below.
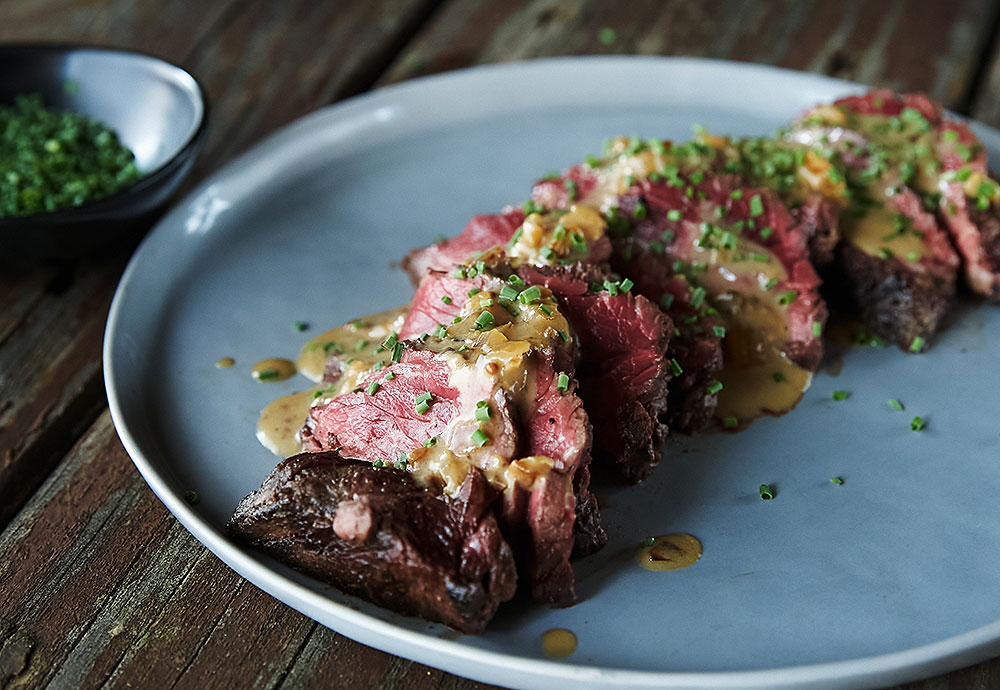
(481, 233)
(447, 405)
(623, 369)
(377, 534)
(743, 266)
(898, 165)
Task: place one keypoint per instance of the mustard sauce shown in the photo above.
(273, 369)
(279, 423)
(357, 339)
(669, 552)
(225, 363)
(558, 643)
(757, 378)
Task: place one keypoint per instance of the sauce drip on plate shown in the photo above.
(558, 643)
(669, 552)
(273, 369)
(225, 363)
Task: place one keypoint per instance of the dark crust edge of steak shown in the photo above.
(896, 304)
(819, 218)
(402, 560)
(988, 223)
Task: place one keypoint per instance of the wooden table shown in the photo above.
(99, 585)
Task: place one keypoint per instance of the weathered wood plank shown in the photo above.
(928, 46)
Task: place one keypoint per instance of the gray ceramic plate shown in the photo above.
(889, 577)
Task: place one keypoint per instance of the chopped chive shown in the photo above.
(765, 232)
(730, 422)
(482, 411)
(917, 345)
(300, 326)
(578, 242)
(917, 424)
(378, 463)
(473, 292)
(508, 293)
(895, 404)
(362, 344)
(488, 302)
(756, 205)
(390, 341)
(778, 377)
(611, 287)
(484, 321)
(372, 388)
(840, 395)
(667, 236)
(458, 273)
(267, 374)
(529, 295)
(770, 283)
(640, 211)
(516, 281)
(401, 463)
(545, 310)
(736, 194)
(817, 328)
(559, 233)
(647, 542)
(397, 352)
(885, 253)
(766, 492)
(480, 438)
(562, 383)
(457, 319)
(423, 397)
(714, 387)
(546, 253)
(432, 441)
(786, 298)
(719, 331)
(446, 299)
(675, 367)
(441, 331)
(607, 36)
(563, 335)
(837, 480)
(674, 215)
(697, 296)
(422, 407)
(666, 300)
(626, 285)
(572, 189)
(191, 497)
(389, 376)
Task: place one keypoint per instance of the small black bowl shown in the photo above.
(157, 109)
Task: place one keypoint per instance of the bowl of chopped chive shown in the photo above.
(93, 142)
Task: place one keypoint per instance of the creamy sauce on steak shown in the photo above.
(556, 237)
(358, 339)
(669, 552)
(279, 423)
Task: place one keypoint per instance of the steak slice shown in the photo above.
(437, 301)
(898, 165)
(377, 534)
(481, 233)
(623, 369)
(445, 406)
(743, 269)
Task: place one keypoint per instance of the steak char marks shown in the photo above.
(377, 534)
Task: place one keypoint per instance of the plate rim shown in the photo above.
(940, 656)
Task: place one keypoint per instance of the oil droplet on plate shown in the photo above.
(273, 369)
(558, 643)
(669, 552)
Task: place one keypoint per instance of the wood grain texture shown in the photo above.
(905, 45)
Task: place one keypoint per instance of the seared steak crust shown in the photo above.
(896, 304)
(378, 535)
